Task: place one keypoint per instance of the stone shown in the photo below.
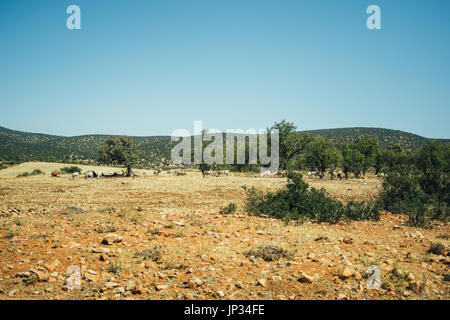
(347, 240)
(119, 290)
(220, 294)
(347, 273)
(262, 282)
(161, 287)
(111, 284)
(415, 286)
(41, 274)
(305, 278)
(111, 238)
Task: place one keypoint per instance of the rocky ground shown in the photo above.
(163, 238)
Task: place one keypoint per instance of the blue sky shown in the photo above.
(150, 67)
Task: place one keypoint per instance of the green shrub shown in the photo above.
(363, 211)
(24, 174)
(419, 217)
(229, 209)
(299, 202)
(35, 172)
(70, 170)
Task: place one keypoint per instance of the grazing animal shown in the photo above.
(75, 175)
(208, 173)
(137, 175)
(220, 173)
(265, 173)
(56, 173)
(89, 175)
(313, 174)
(281, 174)
(226, 172)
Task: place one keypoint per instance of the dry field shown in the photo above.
(164, 238)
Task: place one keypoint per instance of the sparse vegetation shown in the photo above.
(153, 254)
(72, 210)
(35, 172)
(229, 209)
(70, 170)
(437, 248)
(269, 252)
(115, 268)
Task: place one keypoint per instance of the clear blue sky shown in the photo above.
(149, 67)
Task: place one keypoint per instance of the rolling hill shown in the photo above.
(22, 146)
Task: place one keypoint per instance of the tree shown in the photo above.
(351, 160)
(432, 162)
(119, 151)
(321, 155)
(292, 143)
(336, 161)
(368, 146)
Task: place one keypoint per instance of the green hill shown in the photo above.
(22, 146)
(409, 141)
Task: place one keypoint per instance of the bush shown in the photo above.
(153, 254)
(35, 172)
(115, 268)
(229, 209)
(72, 210)
(298, 201)
(437, 248)
(70, 170)
(363, 211)
(269, 252)
(24, 174)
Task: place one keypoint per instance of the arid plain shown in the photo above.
(163, 237)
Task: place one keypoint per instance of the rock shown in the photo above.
(139, 290)
(191, 284)
(347, 240)
(52, 266)
(220, 294)
(130, 285)
(110, 284)
(347, 273)
(262, 282)
(41, 274)
(24, 274)
(13, 292)
(415, 286)
(111, 238)
(161, 287)
(239, 285)
(119, 290)
(311, 256)
(198, 281)
(305, 278)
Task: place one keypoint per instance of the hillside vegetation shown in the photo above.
(20, 146)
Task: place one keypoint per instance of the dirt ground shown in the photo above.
(162, 237)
